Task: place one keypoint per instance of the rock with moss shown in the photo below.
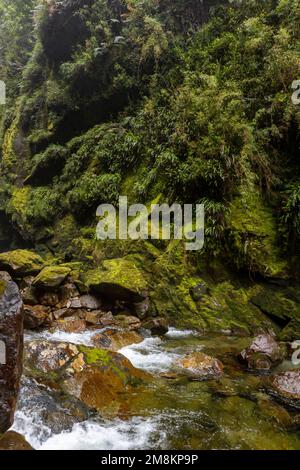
(21, 263)
(51, 277)
(100, 379)
(118, 279)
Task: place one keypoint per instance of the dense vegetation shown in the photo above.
(174, 100)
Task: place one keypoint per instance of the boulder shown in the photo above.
(263, 353)
(72, 325)
(90, 302)
(100, 379)
(36, 316)
(199, 366)
(11, 348)
(49, 299)
(21, 263)
(115, 340)
(127, 322)
(11, 440)
(285, 387)
(51, 277)
(29, 296)
(157, 326)
(118, 279)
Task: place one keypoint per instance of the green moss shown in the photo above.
(21, 262)
(253, 235)
(2, 287)
(119, 278)
(94, 356)
(51, 277)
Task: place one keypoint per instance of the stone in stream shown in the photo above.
(285, 387)
(102, 380)
(199, 366)
(115, 340)
(263, 353)
(12, 440)
(11, 348)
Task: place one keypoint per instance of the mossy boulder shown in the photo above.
(21, 263)
(12, 440)
(118, 279)
(51, 277)
(100, 379)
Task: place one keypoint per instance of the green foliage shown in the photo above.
(91, 191)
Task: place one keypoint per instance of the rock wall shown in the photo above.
(11, 341)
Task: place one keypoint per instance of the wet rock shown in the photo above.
(36, 316)
(72, 325)
(285, 387)
(13, 441)
(141, 309)
(157, 326)
(68, 291)
(115, 340)
(106, 319)
(199, 366)
(127, 322)
(263, 353)
(100, 379)
(62, 313)
(74, 303)
(11, 348)
(51, 277)
(21, 263)
(58, 412)
(119, 279)
(96, 317)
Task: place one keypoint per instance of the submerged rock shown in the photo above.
(51, 277)
(286, 388)
(21, 263)
(199, 366)
(263, 353)
(119, 279)
(11, 440)
(11, 348)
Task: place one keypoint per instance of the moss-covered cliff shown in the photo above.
(186, 101)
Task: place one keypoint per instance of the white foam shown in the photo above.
(150, 355)
(84, 338)
(177, 334)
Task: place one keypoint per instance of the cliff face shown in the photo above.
(186, 101)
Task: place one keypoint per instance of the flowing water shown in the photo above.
(172, 412)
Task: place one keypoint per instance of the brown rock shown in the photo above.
(72, 325)
(128, 322)
(11, 348)
(107, 319)
(94, 317)
(29, 296)
(286, 388)
(36, 316)
(263, 353)
(115, 340)
(201, 367)
(157, 326)
(13, 441)
(50, 299)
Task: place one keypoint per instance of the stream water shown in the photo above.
(171, 413)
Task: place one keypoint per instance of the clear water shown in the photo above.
(232, 413)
